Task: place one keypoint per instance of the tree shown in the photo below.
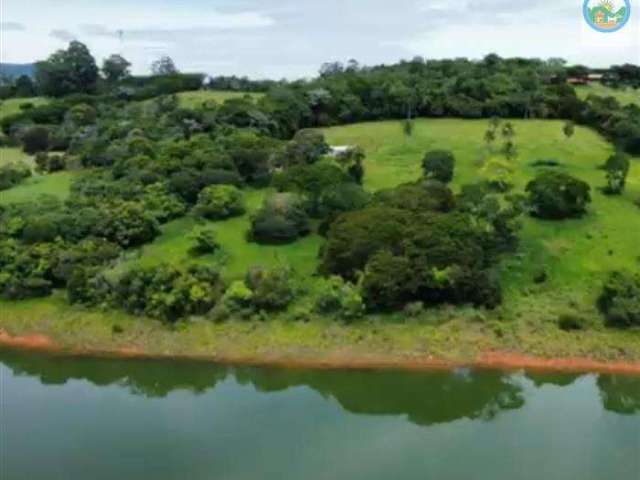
(115, 68)
(568, 129)
(204, 242)
(439, 165)
(67, 71)
(490, 137)
(164, 66)
(617, 168)
(282, 219)
(557, 195)
(25, 87)
(508, 131)
(510, 150)
(619, 300)
(219, 202)
(306, 147)
(35, 139)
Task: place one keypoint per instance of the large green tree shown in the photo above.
(67, 71)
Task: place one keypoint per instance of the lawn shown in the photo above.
(238, 255)
(576, 253)
(195, 99)
(625, 96)
(12, 105)
(12, 155)
(56, 184)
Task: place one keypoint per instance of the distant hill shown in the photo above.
(13, 70)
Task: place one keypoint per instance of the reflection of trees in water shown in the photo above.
(620, 394)
(141, 377)
(426, 398)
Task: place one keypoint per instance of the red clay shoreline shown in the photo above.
(493, 360)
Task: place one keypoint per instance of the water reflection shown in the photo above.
(424, 398)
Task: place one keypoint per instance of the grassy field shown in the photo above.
(624, 96)
(197, 98)
(238, 255)
(575, 253)
(12, 105)
(12, 155)
(56, 184)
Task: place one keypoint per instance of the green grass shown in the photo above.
(56, 184)
(625, 96)
(12, 105)
(197, 98)
(13, 155)
(238, 255)
(576, 253)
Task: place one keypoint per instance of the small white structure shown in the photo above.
(339, 150)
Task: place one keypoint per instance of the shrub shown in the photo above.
(167, 292)
(306, 147)
(126, 223)
(238, 298)
(162, 204)
(49, 163)
(35, 139)
(219, 202)
(556, 195)
(272, 289)
(282, 219)
(619, 300)
(439, 165)
(429, 195)
(12, 174)
(205, 242)
(338, 297)
(617, 168)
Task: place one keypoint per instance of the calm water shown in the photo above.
(69, 418)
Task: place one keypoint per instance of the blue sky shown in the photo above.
(286, 38)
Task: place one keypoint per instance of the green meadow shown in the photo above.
(12, 105)
(195, 99)
(625, 96)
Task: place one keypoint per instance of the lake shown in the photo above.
(78, 418)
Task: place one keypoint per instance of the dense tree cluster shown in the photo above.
(557, 195)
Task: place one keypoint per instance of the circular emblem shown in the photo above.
(607, 15)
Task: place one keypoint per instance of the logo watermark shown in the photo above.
(607, 16)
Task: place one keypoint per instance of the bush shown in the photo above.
(338, 297)
(205, 242)
(556, 195)
(238, 298)
(219, 202)
(617, 168)
(35, 139)
(126, 223)
(439, 165)
(619, 300)
(306, 147)
(282, 219)
(425, 196)
(12, 174)
(167, 292)
(49, 163)
(272, 289)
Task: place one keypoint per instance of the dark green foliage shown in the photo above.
(12, 174)
(439, 165)
(387, 281)
(617, 168)
(219, 202)
(619, 300)
(162, 204)
(306, 147)
(67, 71)
(557, 195)
(571, 322)
(49, 163)
(355, 236)
(424, 196)
(168, 292)
(204, 242)
(272, 289)
(126, 223)
(35, 139)
(115, 67)
(282, 219)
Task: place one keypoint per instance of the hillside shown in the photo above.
(14, 70)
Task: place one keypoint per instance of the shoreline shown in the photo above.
(490, 360)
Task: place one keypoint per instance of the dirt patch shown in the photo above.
(344, 360)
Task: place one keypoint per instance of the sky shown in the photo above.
(292, 38)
